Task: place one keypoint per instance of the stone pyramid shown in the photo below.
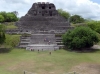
(43, 17)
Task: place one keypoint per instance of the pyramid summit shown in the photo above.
(43, 16)
(43, 9)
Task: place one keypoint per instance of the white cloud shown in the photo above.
(85, 8)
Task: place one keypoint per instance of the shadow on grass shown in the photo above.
(5, 50)
(84, 50)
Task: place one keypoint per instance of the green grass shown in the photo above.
(10, 25)
(59, 62)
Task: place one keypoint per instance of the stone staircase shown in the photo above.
(24, 41)
(40, 38)
(59, 41)
(42, 42)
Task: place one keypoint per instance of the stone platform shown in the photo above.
(42, 47)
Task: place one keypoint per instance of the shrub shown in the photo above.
(2, 34)
(80, 37)
(1, 19)
(12, 40)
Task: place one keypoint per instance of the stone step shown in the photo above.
(35, 18)
(59, 43)
(42, 47)
(58, 40)
(61, 46)
(24, 42)
(25, 37)
(43, 39)
(22, 46)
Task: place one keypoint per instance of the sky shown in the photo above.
(97, 1)
(88, 9)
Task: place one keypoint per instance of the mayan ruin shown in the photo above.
(43, 23)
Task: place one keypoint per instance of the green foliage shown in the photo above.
(11, 26)
(80, 37)
(9, 17)
(76, 19)
(2, 37)
(1, 19)
(12, 40)
(4, 14)
(5, 49)
(94, 25)
(2, 34)
(64, 13)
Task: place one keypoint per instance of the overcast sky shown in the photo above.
(86, 8)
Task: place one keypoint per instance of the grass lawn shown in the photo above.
(59, 62)
(11, 26)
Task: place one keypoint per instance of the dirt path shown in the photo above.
(87, 68)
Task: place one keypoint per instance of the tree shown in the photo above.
(80, 37)
(1, 19)
(4, 14)
(64, 13)
(76, 19)
(94, 25)
(2, 34)
(11, 17)
(15, 12)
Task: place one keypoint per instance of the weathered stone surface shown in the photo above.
(40, 38)
(42, 21)
(43, 17)
(42, 47)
